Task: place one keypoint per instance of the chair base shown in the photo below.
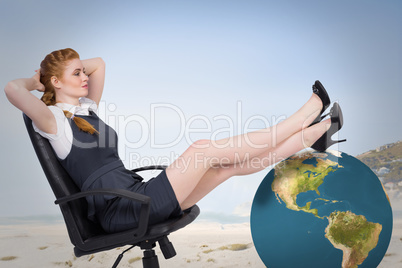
(150, 260)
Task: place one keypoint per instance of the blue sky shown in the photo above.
(225, 62)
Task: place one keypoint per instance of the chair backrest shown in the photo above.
(75, 212)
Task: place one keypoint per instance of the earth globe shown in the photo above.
(321, 210)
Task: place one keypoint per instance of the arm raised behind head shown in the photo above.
(95, 69)
(18, 93)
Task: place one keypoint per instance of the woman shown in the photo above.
(87, 147)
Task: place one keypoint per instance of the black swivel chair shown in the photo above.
(87, 236)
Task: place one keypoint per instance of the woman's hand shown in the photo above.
(38, 85)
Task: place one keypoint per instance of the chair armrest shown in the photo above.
(160, 167)
(116, 192)
(143, 199)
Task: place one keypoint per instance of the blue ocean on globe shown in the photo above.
(321, 210)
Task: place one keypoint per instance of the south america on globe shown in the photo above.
(321, 210)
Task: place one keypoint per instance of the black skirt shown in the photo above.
(121, 214)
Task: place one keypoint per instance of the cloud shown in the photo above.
(243, 209)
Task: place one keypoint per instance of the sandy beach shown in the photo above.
(202, 244)
(198, 245)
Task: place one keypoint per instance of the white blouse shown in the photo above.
(62, 141)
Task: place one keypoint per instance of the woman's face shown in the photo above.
(74, 83)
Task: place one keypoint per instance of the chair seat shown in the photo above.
(153, 232)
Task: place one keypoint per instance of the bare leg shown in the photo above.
(218, 174)
(186, 172)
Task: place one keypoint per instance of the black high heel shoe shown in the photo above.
(320, 91)
(336, 124)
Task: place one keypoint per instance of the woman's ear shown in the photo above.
(55, 82)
